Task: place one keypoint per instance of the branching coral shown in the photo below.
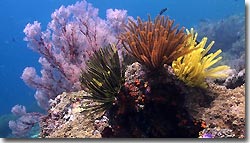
(103, 77)
(155, 43)
(194, 68)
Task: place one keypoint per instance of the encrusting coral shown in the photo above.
(155, 43)
(194, 67)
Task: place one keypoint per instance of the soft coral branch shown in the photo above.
(26, 121)
(71, 37)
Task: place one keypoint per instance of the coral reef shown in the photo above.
(153, 107)
(91, 91)
(136, 85)
(66, 119)
(139, 117)
(169, 108)
(226, 111)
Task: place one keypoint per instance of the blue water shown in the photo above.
(15, 14)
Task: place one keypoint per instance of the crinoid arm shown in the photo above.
(102, 78)
(155, 43)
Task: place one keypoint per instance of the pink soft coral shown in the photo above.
(74, 33)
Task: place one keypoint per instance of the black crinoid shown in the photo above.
(102, 78)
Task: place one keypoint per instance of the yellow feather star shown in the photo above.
(195, 67)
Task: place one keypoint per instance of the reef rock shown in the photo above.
(224, 111)
(155, 106)
(65, 118)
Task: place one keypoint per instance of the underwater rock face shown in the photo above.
(135, 82)
(65, 120)
(229, 35)
(226, 110)
(153, 106)
(169, 109)
(235, 79)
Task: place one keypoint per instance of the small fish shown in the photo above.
(162, 11)
(204, 20)
(13, 39)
